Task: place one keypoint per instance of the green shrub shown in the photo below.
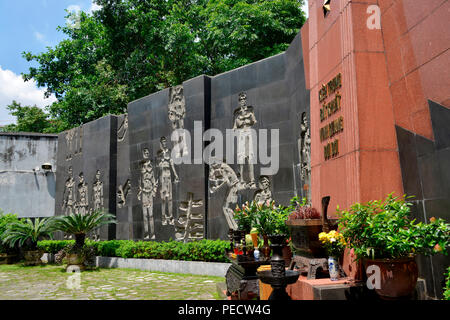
(5, 220)
(106, 248)
(447, 286)
(203, 250)
(53, 246)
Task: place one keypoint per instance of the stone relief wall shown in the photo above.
(85, 171)
(161, 188)
(268, 94)
(133, 159)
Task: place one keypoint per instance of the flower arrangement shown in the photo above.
(245, 216)
(333, 242)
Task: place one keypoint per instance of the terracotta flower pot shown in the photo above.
(398, 277)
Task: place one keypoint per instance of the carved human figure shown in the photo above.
(177, 107)
(176, 114)
(69, 196)
(221, 174)
(264, 193)
(83, 202)
(301, 139)
(147, 191)
(97, 200)
(244, 120)
(166, 168)
(74, 142)
(123, 129)
(69, 144)
(306, 157)
(305, 154)
(97, 192)
(122, 193)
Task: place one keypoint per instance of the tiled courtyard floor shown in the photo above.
(49, 282)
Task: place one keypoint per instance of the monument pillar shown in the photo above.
(354, 153)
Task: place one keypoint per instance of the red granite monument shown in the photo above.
(378, 75)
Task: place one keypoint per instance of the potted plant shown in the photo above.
(7, 254)
(305, 224)
(271, 222)
(262, 224)
(27, 234)
(382, 234)
(334, 244)
(79, 225)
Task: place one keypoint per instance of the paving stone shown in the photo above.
(48, 283)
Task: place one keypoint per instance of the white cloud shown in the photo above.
(74, 20)
(13, 87)
(74, 8)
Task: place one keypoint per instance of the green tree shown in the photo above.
(30, 119)
(131, 48)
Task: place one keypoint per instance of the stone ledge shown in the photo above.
(217, 269)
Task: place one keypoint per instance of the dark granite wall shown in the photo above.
(426, 175)
(275, 87)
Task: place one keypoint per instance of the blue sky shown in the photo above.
(28, 25)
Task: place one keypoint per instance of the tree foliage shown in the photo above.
(132, 48)
(30, 119)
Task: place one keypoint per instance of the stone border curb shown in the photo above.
(217, 269)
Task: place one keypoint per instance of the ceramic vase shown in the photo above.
(333, 268)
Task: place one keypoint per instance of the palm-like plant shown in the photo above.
(28, 232)
(79, 225)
